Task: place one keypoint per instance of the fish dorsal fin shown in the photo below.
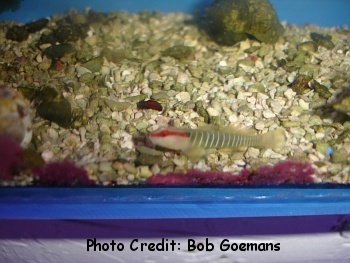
(239, 130)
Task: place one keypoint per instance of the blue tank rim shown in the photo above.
(173, 202)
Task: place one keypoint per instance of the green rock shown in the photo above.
(309, 69)
(17, 33)
(145, 159)
(161, 95)
(178, 52)
(105, 138)
(86, 78)
(115, 56)
(196, 71)
(340, 156)
(94, 65)
(138, 78)
(178, 87)
(264, 50)
(308, 46)
(246, 62)
(37, 25)
(47, 93)
(322, 40)
(79, 119)
(83, 56)
(315, 120)
(318, 103)
(342, 137)
(202, 112)
(205, 78)
(257, 87)
(154, 65)
(189, 87)
(289, 124)
(346, 125)
(225, 70)
(118, 55)
(252, 49)
(156, 84)
(244, 108)
(321, 90)
(180, 106)
(70, 33)
(117, 105)
(149, 151)
(28, 92)
(343, 105)
(58, 51)
(297, 62)
(57, 110)
(322, 147)
(300, 84)
(137, 98)
(232, 21)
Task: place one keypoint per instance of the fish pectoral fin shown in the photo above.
(195, 154)
(231, 150)
(227, 149)
(237, 129)
(273, 139)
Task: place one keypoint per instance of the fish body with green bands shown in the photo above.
(188, 140)
(217, 139)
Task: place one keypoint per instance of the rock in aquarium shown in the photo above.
(15, 119)
(232, 21)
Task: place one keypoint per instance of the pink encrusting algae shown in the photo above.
(284, 172)
(11, 157)
(63, 173)
(13, 161)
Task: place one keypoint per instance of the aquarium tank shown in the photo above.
(193, 93)
(205, 130)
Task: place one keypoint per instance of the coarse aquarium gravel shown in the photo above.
(85, 79)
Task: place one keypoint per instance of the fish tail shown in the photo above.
(273, 139)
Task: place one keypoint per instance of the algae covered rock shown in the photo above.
(343, 105)
(178, 52)
(232, 21)
(94, 64)
(57, 110)
(17, 33)
(59, 50)
(21, 33)
(322, 40)
(54, 107)
(340, 156)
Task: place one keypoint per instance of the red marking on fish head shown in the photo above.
(165, 132)
(170, 138)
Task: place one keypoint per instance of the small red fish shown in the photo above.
(149, 105)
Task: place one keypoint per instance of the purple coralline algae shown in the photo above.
(13, 161)
(63, 173)
(11, 157)
(284, 172)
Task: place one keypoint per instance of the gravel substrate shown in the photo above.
(101, 66)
